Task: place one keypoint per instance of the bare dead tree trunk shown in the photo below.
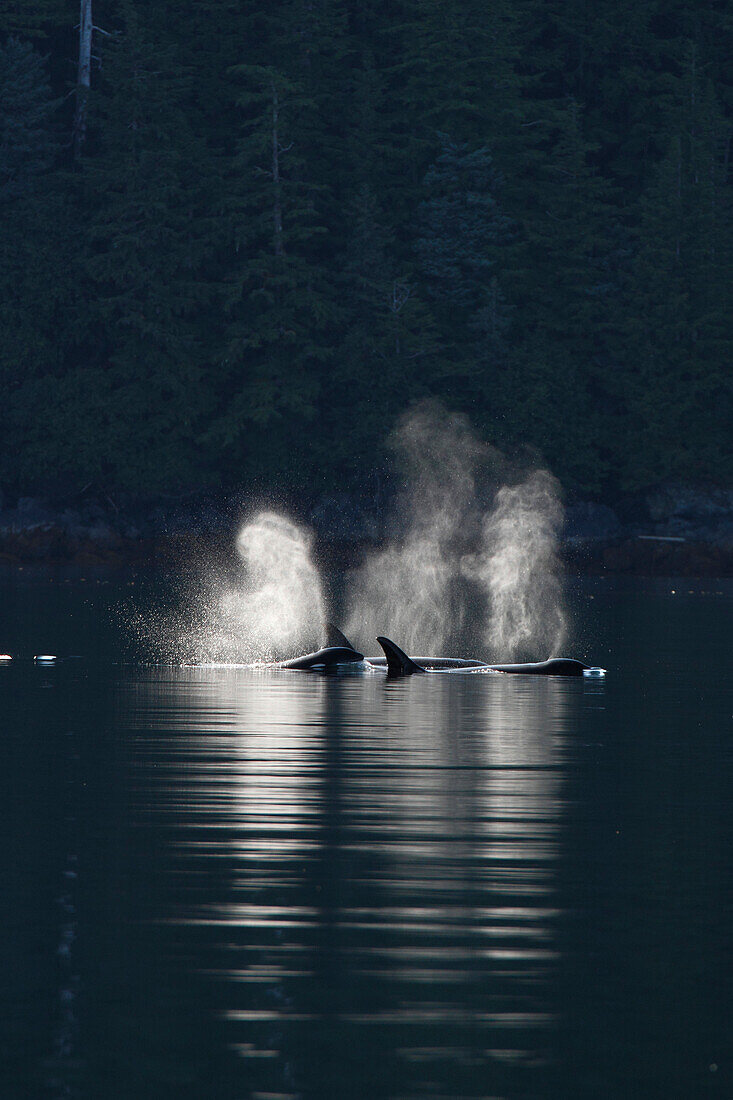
(83, 76)
(277, 198)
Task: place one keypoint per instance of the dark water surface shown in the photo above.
(226, 883)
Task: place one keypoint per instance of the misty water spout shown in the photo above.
(519, 569)
(409, 586)
(270, 607)
(467, 553)
(468, 558)
(280, 605)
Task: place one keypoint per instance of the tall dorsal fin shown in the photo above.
(334, 637)
(398, 663)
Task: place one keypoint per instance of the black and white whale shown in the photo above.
(399, 664)
(334, 637)
(340, 655)
(329, 659)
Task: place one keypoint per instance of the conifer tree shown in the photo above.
(679, 332)
(454, 73)
(463, 231)
(33, 19)
(277, 303)
(388, 345)
(463, 250)
(572, 251)
(148, 191)
(35, 288)
(29, 142)
(265, 247)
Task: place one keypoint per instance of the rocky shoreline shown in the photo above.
(678, 530)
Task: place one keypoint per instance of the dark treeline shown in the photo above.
(269, 226)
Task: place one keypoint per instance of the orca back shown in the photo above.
(556, 666)
(433, 664)
(324, 659)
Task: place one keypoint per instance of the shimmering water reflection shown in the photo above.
(254, 885)
(386, 863)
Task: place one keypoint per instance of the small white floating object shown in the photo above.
(44, 659)
(5, 657)
(594, 672)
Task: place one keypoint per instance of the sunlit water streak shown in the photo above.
(388, 857)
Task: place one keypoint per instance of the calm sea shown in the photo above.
(219, 883)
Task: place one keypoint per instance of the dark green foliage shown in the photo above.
(35, 255)
(34, 18)
(464, 249)
(147, 199)
(462, 228)
(276, 303)
(28, 142)
(678, 316)
(293, 218)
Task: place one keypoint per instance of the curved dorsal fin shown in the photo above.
(398, 663)
(334, 637)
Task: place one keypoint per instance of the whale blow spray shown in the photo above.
(409, 586)
(467, 552)
(270, 606)
(279, 608)
(518, 568)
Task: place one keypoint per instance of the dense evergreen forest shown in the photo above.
(241, 236)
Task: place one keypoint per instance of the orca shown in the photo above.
(339, 653)
(399, 664)
(556, 666)
(334, 637)
(432, 664)
(327, 659)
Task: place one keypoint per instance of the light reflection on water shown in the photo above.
(388, 856)
(236, 885)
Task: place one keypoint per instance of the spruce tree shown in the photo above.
(463, 250)
(35, 263)
(678, 331)
(29, 139)
(388, 346)
(453, 72)
(277, 302)
(463, 231)
(208, 293)
(573, 248)
(147, 198)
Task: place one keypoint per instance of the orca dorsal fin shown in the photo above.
(334, 637)
(398, 663)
